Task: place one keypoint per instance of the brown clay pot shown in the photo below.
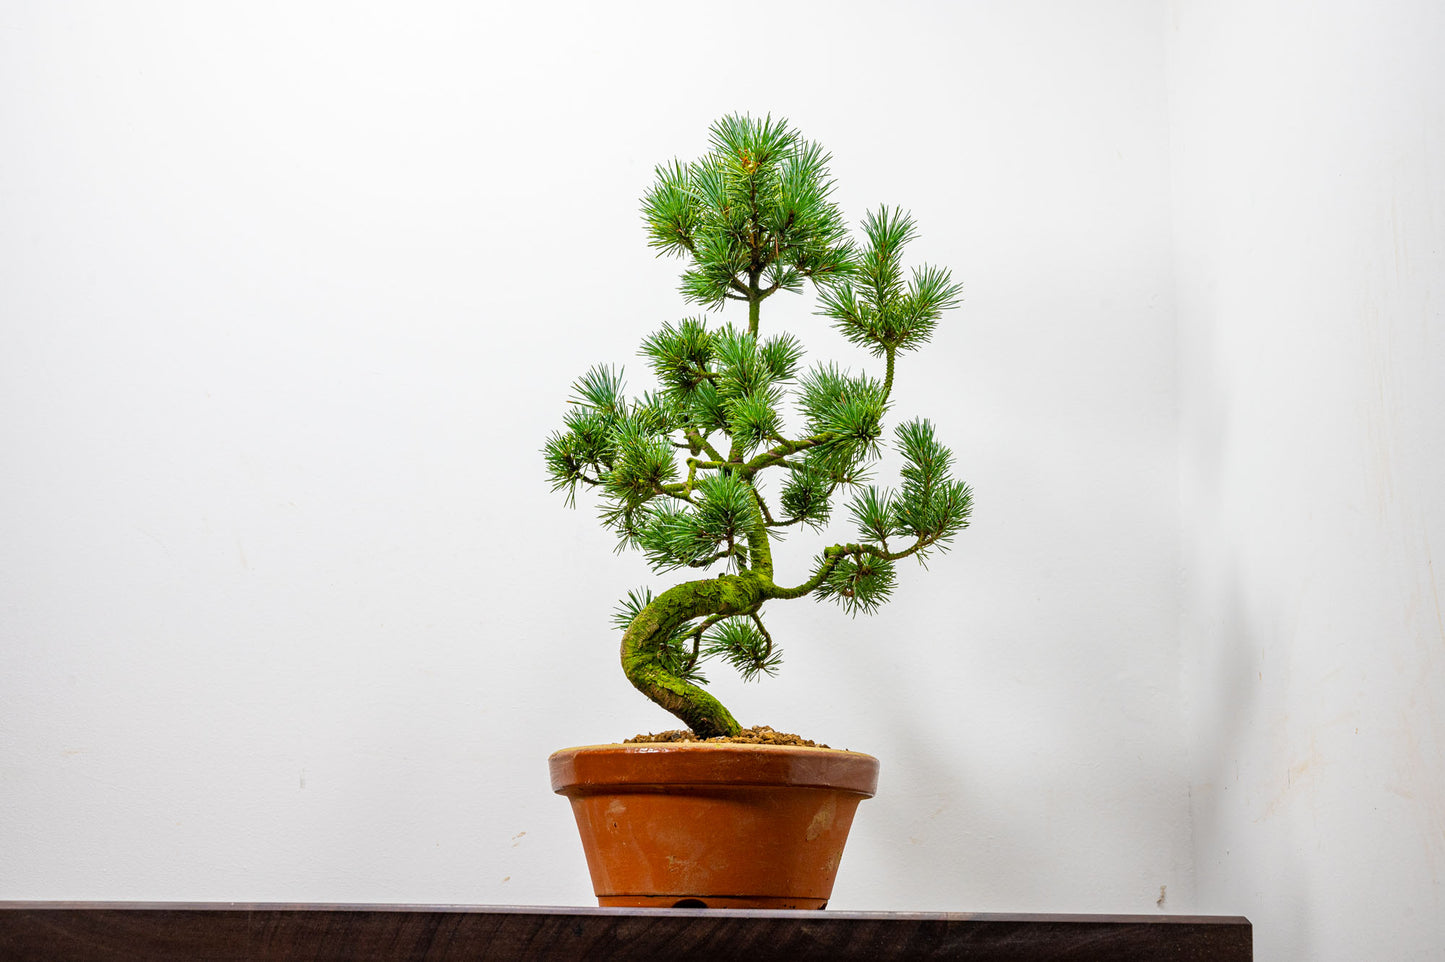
(718, 825)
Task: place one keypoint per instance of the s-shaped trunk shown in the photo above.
(643, 641)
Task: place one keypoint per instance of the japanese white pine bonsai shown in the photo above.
(705, 473)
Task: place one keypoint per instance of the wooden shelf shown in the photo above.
(158, 932)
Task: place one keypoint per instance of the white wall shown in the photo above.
(1309, 203)
(291, 295)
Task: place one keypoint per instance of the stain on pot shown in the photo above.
(824, 819)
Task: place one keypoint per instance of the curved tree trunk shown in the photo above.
(654, 624)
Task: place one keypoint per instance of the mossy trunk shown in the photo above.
(654, 625)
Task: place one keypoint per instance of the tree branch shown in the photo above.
(779, 453)
(697, 638)
(703, 443)
(704, 562)
(888, 377)
(831, 557)
(767, 636)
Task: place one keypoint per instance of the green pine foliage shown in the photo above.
(744, 644)
(677, 471)
(752, 217)
(875, 307)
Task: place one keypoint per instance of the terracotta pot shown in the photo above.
(707, 824)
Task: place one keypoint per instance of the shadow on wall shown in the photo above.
(1226, 652)
(1230, 627)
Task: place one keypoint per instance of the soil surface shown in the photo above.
(757, 735)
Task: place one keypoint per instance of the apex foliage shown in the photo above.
(679, 471)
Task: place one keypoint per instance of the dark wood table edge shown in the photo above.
(65, 931)
(592, 910)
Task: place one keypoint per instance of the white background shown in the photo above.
(291, 294)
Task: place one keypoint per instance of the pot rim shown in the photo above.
(653, 747)
(658, 766)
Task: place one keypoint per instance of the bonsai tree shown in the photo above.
(702, 474)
